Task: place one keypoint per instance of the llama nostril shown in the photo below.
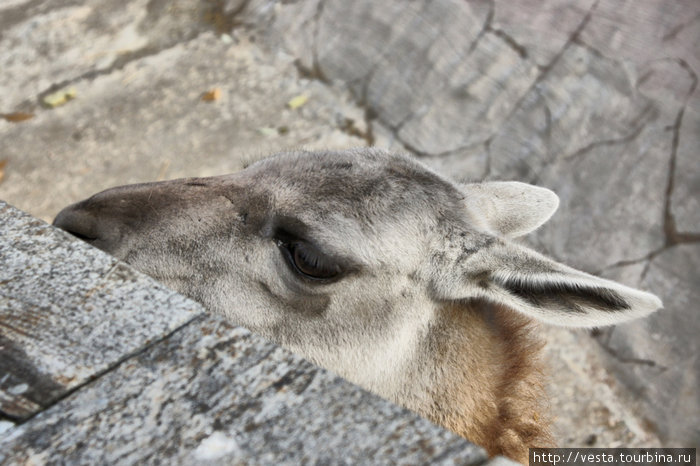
(77, 223)
(81, 236)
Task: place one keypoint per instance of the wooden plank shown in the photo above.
(69, 312)
(216, 392)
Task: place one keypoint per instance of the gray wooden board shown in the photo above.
(69, 312)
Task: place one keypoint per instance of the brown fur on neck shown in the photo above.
(490, 390)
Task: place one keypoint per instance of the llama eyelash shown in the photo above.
(308, 262)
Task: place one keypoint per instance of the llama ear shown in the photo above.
(522, 279)
(509, 208)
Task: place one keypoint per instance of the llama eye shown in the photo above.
(309, 262)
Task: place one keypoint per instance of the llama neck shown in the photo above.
(481, 379)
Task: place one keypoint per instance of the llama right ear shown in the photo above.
(509, 208)
(494, 269)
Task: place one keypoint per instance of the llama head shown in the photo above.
(346, 256)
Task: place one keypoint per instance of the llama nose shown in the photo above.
(78, 223)
(89, 222)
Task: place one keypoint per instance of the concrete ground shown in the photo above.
(596, 100)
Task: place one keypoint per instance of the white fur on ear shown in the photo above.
(509, 208)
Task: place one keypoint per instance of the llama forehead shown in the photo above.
(356, 183)
(367, 202)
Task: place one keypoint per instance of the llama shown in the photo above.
(371, 265)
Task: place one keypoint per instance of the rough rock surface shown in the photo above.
(138, 114)
(42, 358)
(595, 99)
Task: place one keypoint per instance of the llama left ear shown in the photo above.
(509, 208)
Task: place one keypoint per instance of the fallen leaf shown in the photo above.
(267, 131)
(212, 95)
(3, 162)
(17, 116)
(297, 101)
(59, 98)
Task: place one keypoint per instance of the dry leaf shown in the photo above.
(59, 98)
(267, 131)
(3, 162)
(17, 116)
(212, 95)
(297, 101)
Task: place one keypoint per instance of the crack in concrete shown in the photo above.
(648, 258)
(543, 73)
(603, 338)
(313, 73)
(631, 136)
(627, 262)
(673, 236)
(349, 127)
(467, 147)
(408, 147)
(317, 72)
(647, 114)
(486, 27)
(511, 42)
(597, 53)
(423, 109)
(647, 266)
(118, 64)
(678, 29)
(546, 69)
(216, 17)
(361, 101)
(463, 179)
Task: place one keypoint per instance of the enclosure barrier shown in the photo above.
(101, 364)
